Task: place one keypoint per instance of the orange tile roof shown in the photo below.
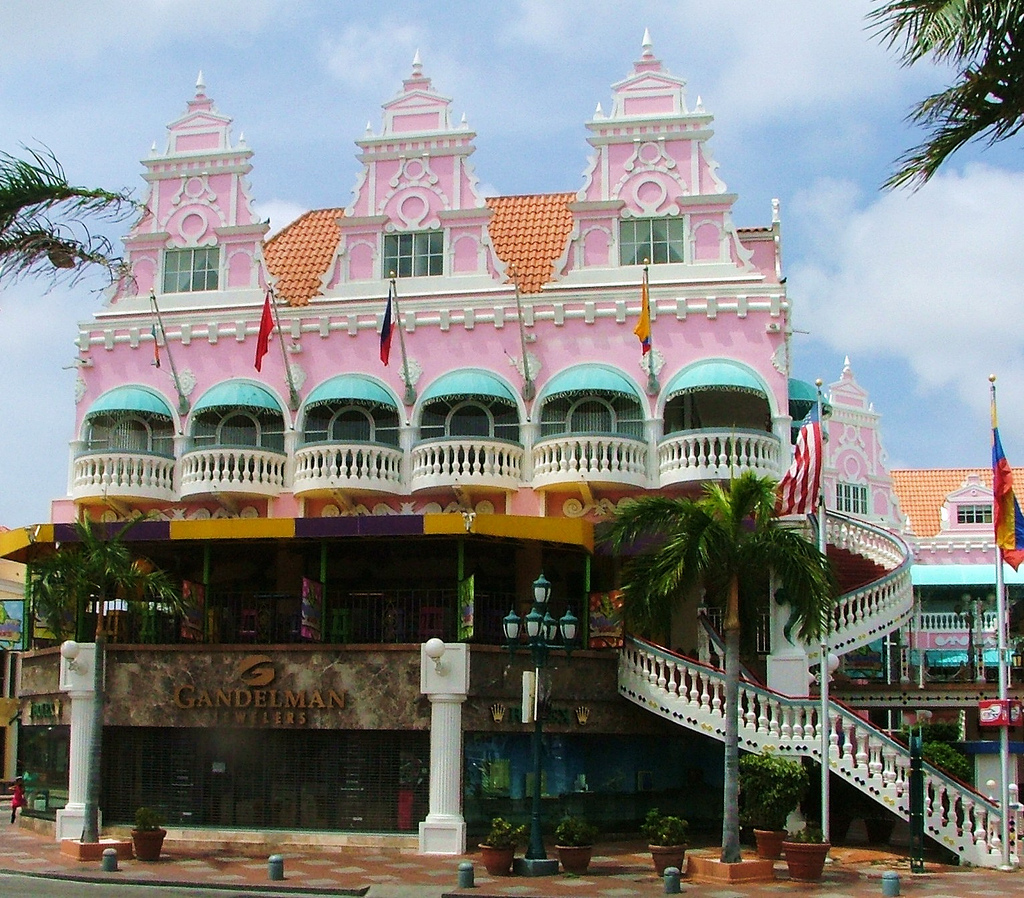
(531, 233)
(299, 255)
(922, 491)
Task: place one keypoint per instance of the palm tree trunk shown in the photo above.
(731, 778)
(91, 828)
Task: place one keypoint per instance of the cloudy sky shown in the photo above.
(923, 291)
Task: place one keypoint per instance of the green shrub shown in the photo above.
(949, 759)
(771, 787)
(503, 834)
(810, 834)
(575, 832)
(146, 819)
(664, 830)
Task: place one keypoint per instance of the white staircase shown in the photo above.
(692, 695)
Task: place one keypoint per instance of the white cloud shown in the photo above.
(279, 212)
(931, 277)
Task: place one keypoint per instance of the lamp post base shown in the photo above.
(527, 866)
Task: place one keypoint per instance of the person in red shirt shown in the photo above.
(17, 798)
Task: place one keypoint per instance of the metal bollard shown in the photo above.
(275, 867)
(466, 875)
(672, 881)
(108, 863)
(890, 884)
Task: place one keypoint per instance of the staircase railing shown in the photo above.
(692, 695)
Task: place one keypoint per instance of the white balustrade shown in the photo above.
(241, 471)
(327, 466)
(694, 455)
(597, 458)
(692, 695)
(466, 461)
(123, 475)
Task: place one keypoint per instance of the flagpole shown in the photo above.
(529, 391)
(1004, 680)
(183, 403)
(823, 672)
(410, 392)
(653, 386)
(293, 396)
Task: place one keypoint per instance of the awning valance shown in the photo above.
(962, 574)
(131, 399)
(347, 388)
(802, 398)
(584, 380)
(464, 384)
(237, 394)
(715, 375)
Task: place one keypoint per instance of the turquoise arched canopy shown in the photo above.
(584, 380)
(237, 394)
(715, 375)
(131, 399)
(464, 384)
(350, 388)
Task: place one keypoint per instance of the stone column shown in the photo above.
(76, 678)
(444, 679)
(788, 670)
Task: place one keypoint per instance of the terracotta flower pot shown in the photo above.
(497, 861)
(769, 843)
(575, 858)
(665, 856)
(805, 860)
(148, 843)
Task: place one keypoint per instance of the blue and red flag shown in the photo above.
(1006, 514)
(387, 328)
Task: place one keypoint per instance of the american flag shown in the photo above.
(799, 488)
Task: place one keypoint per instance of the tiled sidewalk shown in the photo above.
(617, 871)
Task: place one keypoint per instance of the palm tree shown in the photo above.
(43, 218)
(984, 39)
(729, 542)
(93, 570)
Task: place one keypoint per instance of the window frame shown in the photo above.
(980, 513)
(852, 498)
(192, 279)
(633, 250)
(413, 254)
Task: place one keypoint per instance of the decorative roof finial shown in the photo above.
(463, 124)
(647, 45)
(700, 104)
(417, 66)
(241, 139)
(369, 129)
(200, 84)
(775, 211)
(599, 112)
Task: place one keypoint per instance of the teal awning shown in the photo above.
(350, 388)
(131, 399)
(463, 384)
(802, 398)
(237, 394)
(717, 375)
(586, 380)
(962, 574)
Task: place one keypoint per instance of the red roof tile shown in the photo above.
(923, 491)
(299, 255)
(531, 233)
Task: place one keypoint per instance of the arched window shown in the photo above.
(351, 423)
(259, 429)
(126, 432)
(469, 418)
(611, 413)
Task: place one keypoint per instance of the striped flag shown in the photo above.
(263, 340)
(387, 330)
(1006, 514)
(156, 348)
(799, 489)
(643, 326)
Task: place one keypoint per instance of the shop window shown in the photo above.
(191, 270)
(651, 240)
(420, 254)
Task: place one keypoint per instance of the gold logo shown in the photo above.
(498, 712)
(582, 715)
(256, 670)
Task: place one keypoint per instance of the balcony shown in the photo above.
(369, 467)
(123, 475)
(593, 458)
(467, 461)
(238, 471)
(693, 456)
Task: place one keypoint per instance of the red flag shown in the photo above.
(263, 340)
(799, 488)
(387, 329)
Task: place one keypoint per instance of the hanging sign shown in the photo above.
(999, 713)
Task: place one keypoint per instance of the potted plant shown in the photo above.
(574, 842)
(148, 834)
(499, 846)
(771, 788)
(806, 851)
(666, 839)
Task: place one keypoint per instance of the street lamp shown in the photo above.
(542, 633)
